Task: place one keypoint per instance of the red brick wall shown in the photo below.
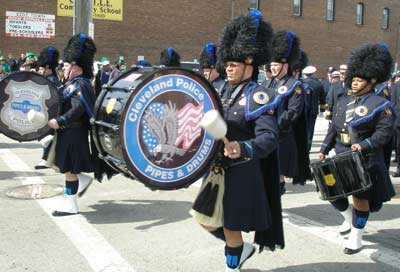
(150, 26)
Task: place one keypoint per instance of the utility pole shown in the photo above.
(82, 16)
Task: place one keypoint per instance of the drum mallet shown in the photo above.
(213, 123)
(36, 117)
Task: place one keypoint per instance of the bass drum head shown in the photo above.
(19, 93)
(163, 143)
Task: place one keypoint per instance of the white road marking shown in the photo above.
(100, 255)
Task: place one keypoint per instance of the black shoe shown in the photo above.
(38, 167)
(352, 251)
(59, 213)
(396, 174)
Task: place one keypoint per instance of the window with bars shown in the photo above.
(360, 14)
(297, 7)
(330, 10)
(385, 19)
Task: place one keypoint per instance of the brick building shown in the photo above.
(328, 29)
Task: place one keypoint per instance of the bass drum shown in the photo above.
(21, 92)
(146, 125)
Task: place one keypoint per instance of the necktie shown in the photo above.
(350, 109)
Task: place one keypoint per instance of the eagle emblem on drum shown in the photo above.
(169, 131)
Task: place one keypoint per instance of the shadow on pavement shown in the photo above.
(331, 267)
(6, 175)
(328, 216)
(389, 237)
(128, 211)
(298, 189)
(24, 145)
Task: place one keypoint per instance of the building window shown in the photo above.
(330, 10)
(385, 22)
(360, 14)
(254, 4)
(297, 7)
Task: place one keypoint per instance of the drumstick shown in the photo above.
(213, 123)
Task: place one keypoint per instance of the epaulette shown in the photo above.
(259, 100)
(365, 115)
(383, 90)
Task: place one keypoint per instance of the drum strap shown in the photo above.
(229, 99)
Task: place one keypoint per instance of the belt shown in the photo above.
(344, 138)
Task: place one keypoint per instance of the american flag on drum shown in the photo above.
(189, 128)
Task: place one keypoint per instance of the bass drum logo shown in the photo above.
(164, 142)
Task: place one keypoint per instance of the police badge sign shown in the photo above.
(23, 92)
(165, 145)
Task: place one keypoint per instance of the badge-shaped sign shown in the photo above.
(261, 98)
(165, 145)
(20, 93)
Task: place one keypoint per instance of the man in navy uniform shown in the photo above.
(363, 122)
(293, 147)
(336, 89)
(316, 90)
(251, 199)
(208, 61)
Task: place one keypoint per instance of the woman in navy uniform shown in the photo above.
(72, 154)
(251, 199)
(363, 121)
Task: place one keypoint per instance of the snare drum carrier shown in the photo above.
(146, 125)
(21, 92)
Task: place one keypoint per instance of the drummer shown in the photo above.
(208, 61)
(252, 196)
(72, 155)
(363, 121)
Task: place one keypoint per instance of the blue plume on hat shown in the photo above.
(170, 58)
(285, 47)
(48, 57)
(208, 56)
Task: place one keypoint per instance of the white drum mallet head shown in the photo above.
(213, 123)
(36, 117)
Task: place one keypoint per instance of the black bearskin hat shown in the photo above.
(372, 62)
(246, 39)
(48, 58)
(80, 50)
(208, 57)
(301, 62)
(285, 48)
(170, 58)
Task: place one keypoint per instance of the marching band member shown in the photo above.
(251, 200)
(72, 155)
(293, 149)
(363, 121)
(208, 61)
(47, 63)
(170, 58)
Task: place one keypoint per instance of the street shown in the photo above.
(124, 226)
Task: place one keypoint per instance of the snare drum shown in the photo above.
(21, 92)
(340, 176)
(146, 125)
